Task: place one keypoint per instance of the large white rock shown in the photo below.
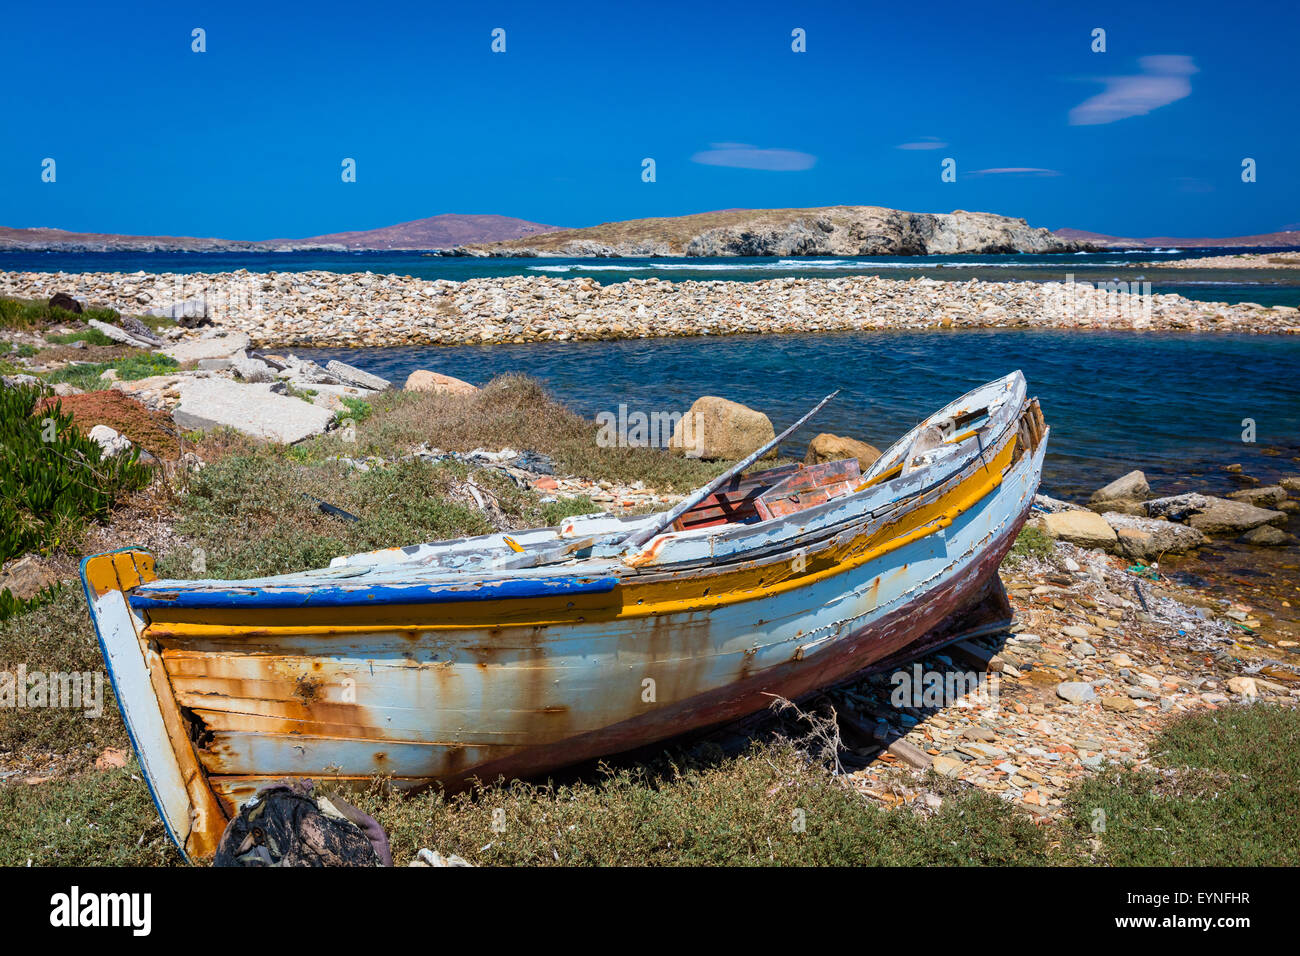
(218, 343)
(196, 308)
(351, 375)
(119, 335)
(422, 380)
(109, 440)
(1132, 485)
(251, 369)
(1087, 529)
(1148, 538)
(1213, 515)
(251, 409)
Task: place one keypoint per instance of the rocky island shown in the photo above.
(832, 230)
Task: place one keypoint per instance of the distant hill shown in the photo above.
(1288, 237)
(822, 231)
(829, 230)
(60, 240)
(436, 232)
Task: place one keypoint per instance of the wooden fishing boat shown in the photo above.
(516, 654)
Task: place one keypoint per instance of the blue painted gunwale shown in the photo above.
(154, 596)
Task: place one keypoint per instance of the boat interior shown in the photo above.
(813, 496)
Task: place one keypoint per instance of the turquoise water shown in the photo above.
(1171, 405)
(1265, 287)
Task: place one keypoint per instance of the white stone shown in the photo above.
(251, 409)
(219, 344)
(109, 440)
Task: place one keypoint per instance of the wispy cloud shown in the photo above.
(745, 156)
(1034, 171)
(1163, 80)
(925, 142)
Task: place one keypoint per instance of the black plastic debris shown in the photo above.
(535, 462)
(330, 509)
(288, 824)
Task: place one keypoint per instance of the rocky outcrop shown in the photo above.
(351, 375)
(61, 300)
(873, 231)
(1269, 496)
(216, 344)
(1131, 486)
(1146, 539)
(26, 576)
(252, 409)
(332, 310)
(1266, 536)
(1212, 515)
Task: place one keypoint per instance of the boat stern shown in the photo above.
(191, 813)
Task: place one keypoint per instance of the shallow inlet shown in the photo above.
(1169, 404)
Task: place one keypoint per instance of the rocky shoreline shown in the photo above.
(1244, 260)
(328, 309)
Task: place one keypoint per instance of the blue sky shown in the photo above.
(246, 140)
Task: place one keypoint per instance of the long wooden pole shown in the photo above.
(636, 539)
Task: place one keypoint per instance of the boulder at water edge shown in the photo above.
(828, 447)
(1087, 529)
(422, 380)
(718, 428)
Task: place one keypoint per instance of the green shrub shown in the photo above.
(86, 375)
(1030, 543)
(1226, 793)
(88, 335)
(22, 351)
(25, 314)
(53, 479)
(11, 606)
(357, 409)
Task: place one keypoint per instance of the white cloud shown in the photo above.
(925, 142)
(1163, 80)
(1015, 171)
(745, 156)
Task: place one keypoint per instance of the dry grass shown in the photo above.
(513, 411)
